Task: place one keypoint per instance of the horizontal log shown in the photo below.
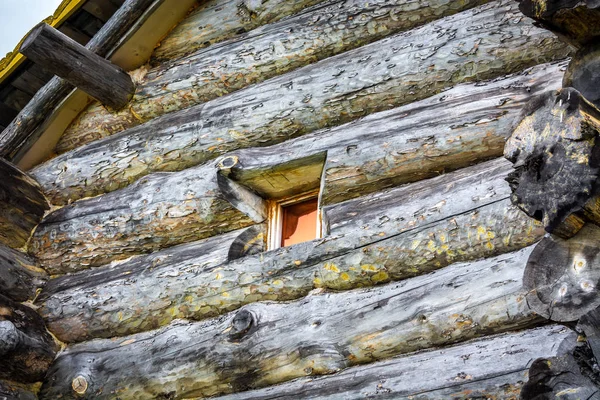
(24, 130)
(384, 74)
(575, 21)
(15, 391)
(318, 33)
(554, 148)
(22, 205)
(589, 324)
(583, 73)
(494, 367)
(20, 276)
(220, 21)
(64, 57)
(268, 343)
(26, 348)
(461, 216)
(159, 211)
(471, 123)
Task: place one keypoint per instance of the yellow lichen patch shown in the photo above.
(331, 267)
(369, 267)
(344, 276)
(380, 276)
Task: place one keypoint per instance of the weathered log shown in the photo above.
(576, 21)
(159, 211)
(15, 391)
(491, 368)
(562, 276)
(59, 54)
(589, 324)
(22, 205)
(567, 376)
(24, 130)
(556, 156)
(375, 77)
(583, 73)
(216, 21)
(26, 348)
(20, 277)
(269, 343)
(317, 33)
(461, 216)
(471, 123)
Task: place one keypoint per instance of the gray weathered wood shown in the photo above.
(219, 20)
(577, 21)
(562, 276)
(375, 77)
(392, 235)
(24, 130)
(589, 324)
(583, 73)
(315, 34)
(268, 343)
(61, 55)
(22, 205)
(20, 277)
(15, 391)
(158, 211)
(26, 348)
(494, 367)
(554, 148)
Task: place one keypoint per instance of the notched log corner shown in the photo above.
(583, 73)
(575, 21)
(26, 348)
(561, 276)
(556, 156)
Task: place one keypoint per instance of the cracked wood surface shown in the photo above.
(318, 33)
(491, 368)
(268, 343)
(158, 211)
(477, 44)
(22, 205)
(391, 235)
(20, 276)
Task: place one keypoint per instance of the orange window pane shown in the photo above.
(299, 222)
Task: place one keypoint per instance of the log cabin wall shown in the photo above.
(397, 112)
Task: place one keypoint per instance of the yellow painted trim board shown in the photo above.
(12, 60)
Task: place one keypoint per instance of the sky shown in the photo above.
(17, 17)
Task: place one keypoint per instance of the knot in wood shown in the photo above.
(80, 385)
(241, 324)
(228, 162)
(9, 337)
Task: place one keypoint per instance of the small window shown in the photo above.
(294, 220)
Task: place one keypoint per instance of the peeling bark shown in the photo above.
(22, 205)
(408, 231)
(318, 33)
(26, 348)
(473, 45)
(20, 277)
(491, 368)
(268, 343)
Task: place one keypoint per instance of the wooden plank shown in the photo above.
(16, 98)
(26, 348)
(7, 114)
(319, 34)
(20, 277)
(28, 83)
(494, 367)
(75, 34)
(24, 131)
(553, 149)
(22, 205)
(81, 67)
(101, 9)
(292, 105)
(392, 235)
(268, 343)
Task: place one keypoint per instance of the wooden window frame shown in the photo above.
(275, 217)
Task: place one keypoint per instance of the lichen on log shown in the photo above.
(392, 235)
(268, 343)
(474, 45)
(318, 33)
